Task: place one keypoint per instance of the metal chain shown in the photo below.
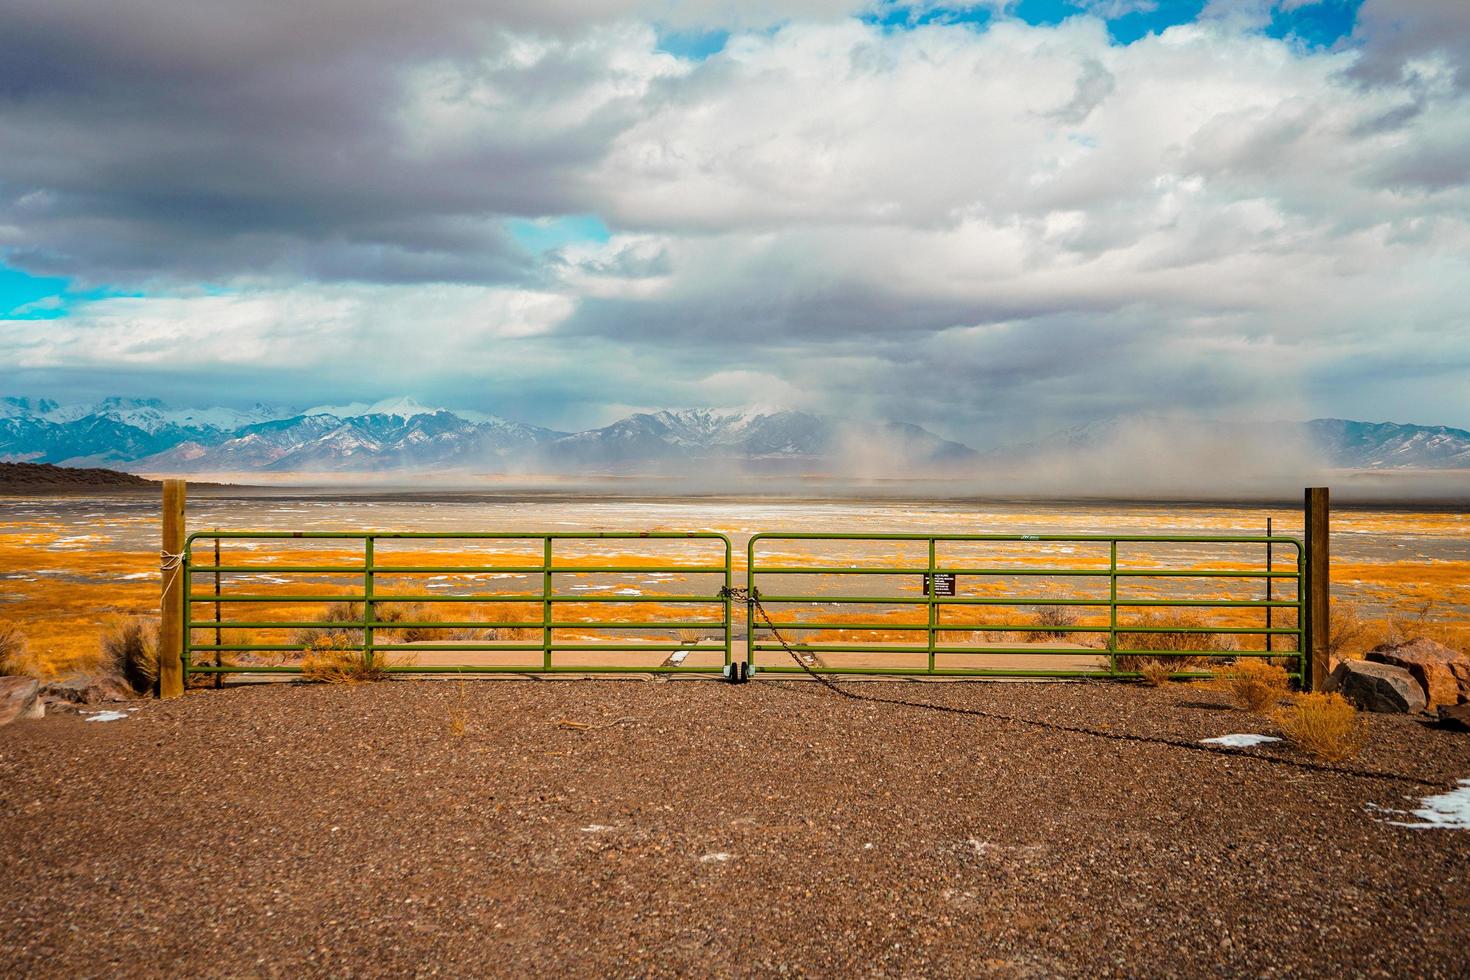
(753, 600)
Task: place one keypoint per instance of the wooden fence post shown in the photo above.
(171, 629)
(1319, 586)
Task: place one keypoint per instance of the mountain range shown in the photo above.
(146, 436)
(400, 434)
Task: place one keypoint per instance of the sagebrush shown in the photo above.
(1175, 635)
(130, 653)
(16, 659)
(1326, 726)
(1254, 684)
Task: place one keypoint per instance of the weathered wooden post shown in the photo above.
(171, 563)
(1319, 587)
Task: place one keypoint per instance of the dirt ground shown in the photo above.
(634, 827)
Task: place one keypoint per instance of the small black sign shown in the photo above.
(942, 583)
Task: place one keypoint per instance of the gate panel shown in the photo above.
(421, 616)
(947, 596)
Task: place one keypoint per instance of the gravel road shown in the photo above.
(633, 827)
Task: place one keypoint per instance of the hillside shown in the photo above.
(44, 476)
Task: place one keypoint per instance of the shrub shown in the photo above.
(1156, 673)
(1176, 636)
(333, 661)
(130, 653)
(16, 658)
(1053, 616)
(1253, 684)
(1346, 629)
(1326, 726)
(341, 625)
(690, 636)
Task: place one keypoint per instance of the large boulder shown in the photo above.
(20, 697)
(1377, 686)
(1443, 673)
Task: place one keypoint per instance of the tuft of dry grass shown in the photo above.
(16, 659)
(690, 636)
(1325, 726)
(1254, 684)
(1052, 616)
(1156, 673)
(1177, 636)
(1346, 629)
(130, 653)
(332, 660)
(459, 712)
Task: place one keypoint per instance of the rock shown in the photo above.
(1377, 687)
(1443, 673)
(20, 698)
(83, 689)
(1455, 716)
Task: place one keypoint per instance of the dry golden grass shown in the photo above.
(459, 712)
(1177, 622)
(1053, 616)
(16, 658)
(333, 661)
(130, 652)
(1325, 726)
(1253, 684)
(1156, 673)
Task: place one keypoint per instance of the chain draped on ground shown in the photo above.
(753, 602)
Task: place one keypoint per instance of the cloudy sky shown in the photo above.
(987, 218)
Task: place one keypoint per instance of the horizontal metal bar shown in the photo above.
(1277, 631)
(206, 624)
(1100, 538)
(472, 669)
(1038, 651)
(431, 597)
(939, 627)
(459, 569)
(456, 535)
(468, 647)
(1039, 571)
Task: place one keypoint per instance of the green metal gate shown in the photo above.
(929, 655)
(365, 631)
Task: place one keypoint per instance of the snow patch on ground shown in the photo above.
(1241, 740)
(718, 857)
(1443, 811)
(677, 657)
(596, 828)
(107, 716)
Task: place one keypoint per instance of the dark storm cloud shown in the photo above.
(209, 138)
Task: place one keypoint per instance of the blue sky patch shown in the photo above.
(539, 235)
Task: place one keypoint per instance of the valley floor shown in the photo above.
(614, 827)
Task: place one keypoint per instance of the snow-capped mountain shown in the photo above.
(403, 434)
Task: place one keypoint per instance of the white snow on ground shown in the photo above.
(1443, 811)
(134, 575)
(677, 657)
(595, 828)
(627, 592)
(720, 856)
(1241, 740)
(107, 716)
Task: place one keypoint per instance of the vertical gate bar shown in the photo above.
(546, 604)
(1269, 566)
(750, 595)
(218, 661)
(728, 583)
(933, 591)
(368, 615)
(1113, 606)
